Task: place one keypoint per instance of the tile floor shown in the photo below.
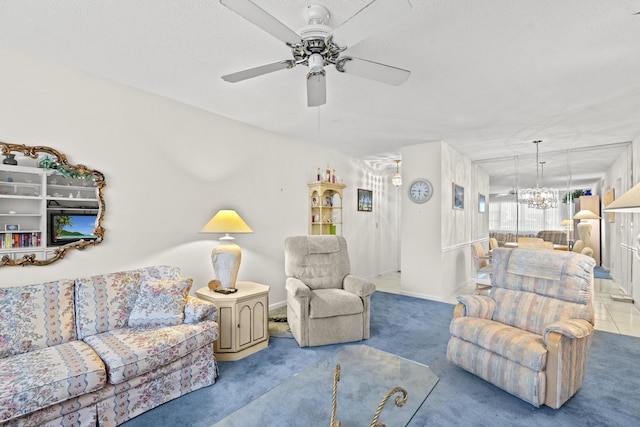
(611, 316)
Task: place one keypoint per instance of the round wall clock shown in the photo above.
(420, 191)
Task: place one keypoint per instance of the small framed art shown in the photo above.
(365, 200)
(458, 196)
(482, 203)
(11, 227)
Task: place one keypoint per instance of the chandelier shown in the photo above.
(397, 178)
(539, 198)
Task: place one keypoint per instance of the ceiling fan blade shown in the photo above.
(373, 70)
(257, 16)
(370, 19)
(258, 71)
(316, 89)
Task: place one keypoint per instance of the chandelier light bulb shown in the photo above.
(539, 198)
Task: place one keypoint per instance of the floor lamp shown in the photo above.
(226, 256)
(628, 202)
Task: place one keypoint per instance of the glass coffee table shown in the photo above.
(366, 376)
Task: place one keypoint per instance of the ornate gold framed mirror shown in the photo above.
(47, 205)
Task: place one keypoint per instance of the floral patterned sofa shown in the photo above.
(99, 350)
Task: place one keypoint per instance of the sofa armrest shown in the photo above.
(197, 310)
(358, 285)
(574, 328)
(480, 306)
(297, 288)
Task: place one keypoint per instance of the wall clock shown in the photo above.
(420, 191)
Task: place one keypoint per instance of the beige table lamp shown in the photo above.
(226, 256)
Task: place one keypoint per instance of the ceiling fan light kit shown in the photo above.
(314, 46)
(316, 89)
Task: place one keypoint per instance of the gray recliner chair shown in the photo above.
(325, 303)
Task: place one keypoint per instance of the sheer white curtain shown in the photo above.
(506, 214)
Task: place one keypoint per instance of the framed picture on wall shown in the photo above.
(458, 196)
(482, 203)
(365, 200)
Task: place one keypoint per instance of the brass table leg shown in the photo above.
(400, 401)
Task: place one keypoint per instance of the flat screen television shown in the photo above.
(67, 227)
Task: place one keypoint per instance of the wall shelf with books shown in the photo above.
(31, 200)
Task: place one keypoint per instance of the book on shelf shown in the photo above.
(12, 240)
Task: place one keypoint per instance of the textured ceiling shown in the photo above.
(488, 77)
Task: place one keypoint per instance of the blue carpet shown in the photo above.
(601, 273)
(419, 330)
(358, 392)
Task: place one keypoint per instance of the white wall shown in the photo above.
(620, 236)
(169, 167)
(437, 236)
(421, 239)
(460, 228)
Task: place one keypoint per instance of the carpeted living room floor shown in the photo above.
(417, 329)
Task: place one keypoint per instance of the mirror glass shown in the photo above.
(47, 205)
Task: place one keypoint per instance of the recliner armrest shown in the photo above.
(480, 306)
(297, 288)
(574, 328)
(358, 285)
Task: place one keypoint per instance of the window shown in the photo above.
(505, 214)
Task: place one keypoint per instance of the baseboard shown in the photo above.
(423, 296)
(277, 305)
(622, 298)
(378, 275)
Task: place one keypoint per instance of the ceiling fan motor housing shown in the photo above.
(317, 42)
(316, 14)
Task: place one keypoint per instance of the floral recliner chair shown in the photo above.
(530, 336)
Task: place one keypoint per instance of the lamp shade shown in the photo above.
(226, 221)
(628, 202)
(567, 223)
(586, 214)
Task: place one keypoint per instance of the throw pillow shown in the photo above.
(160, 303)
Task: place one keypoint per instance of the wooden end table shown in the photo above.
(243, 318)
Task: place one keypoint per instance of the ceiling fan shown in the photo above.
(315, 47)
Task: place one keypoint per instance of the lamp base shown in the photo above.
(226, 263)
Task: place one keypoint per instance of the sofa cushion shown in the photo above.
(334, 302)
(104, 302)
(520, 346)
(44, 377)
(558, 237)
(36, 316)
(158, 272)
(160, 303)
(129, 352)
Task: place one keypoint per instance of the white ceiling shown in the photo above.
(488, 77)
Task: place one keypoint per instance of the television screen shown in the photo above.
(66, 228)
